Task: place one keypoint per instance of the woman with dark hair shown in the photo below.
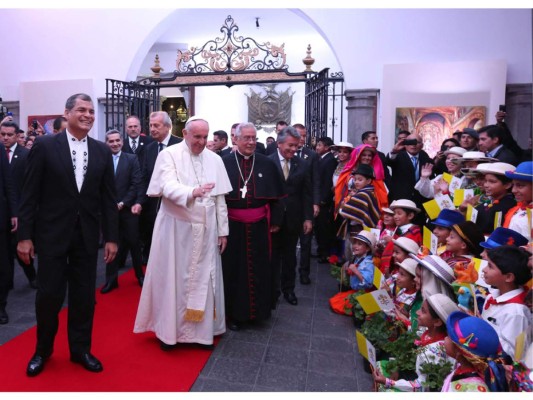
(440, 158)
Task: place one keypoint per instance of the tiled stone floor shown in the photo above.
(303, 348)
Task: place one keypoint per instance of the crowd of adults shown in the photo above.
(213, 230)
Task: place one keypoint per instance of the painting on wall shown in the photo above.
(46, 121)
(435, 124)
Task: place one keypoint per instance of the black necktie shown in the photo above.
(133, 145)
(161, 147)
(299, 153)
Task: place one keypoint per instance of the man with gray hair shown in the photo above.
(296, 213)
(246, 264)
(160, 127)
(182, 299)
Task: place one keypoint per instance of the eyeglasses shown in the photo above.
(248, 138)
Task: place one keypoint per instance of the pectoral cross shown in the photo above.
(243, 190)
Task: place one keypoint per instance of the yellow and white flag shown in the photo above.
(471, 213)
(497, 219)
(378, 300)
(432, 208)
(430, 241)
(379, 278)
(479, 265)
(519, 348)
(365, 348)
(461, 195)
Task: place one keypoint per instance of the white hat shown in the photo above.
(387, 210)
(342, 144)
(455, 150)
(366, 237)
(409, 245)
(497, 168)
(404, 203)
(409, 265)
(476, 156)
(442, 305)
(438, 267)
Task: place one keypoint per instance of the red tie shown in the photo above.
(518, 299)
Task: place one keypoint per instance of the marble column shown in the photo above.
(362, 112)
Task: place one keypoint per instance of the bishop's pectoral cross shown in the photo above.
(243, 190)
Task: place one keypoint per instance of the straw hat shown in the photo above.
(409, 265)
(455, 150)
(437, 266)
(409, 245)
(367, 238)
(387, 210)
(497, 168)
(404, 203)
(476, 156)
(342, 144)
(442, 305)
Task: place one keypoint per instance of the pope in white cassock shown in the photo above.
(182, 298)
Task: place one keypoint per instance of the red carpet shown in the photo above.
(132, 362)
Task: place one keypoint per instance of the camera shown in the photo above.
(502, 107)
(410, 142)
(34, 124)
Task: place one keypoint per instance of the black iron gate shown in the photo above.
(130, 98)
(324, 105)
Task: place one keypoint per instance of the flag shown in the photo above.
(471, 213)
(455, 184)
(479, 265)
(379, 278)
(430, 241)
(378, 300)
(520, 344)
(444, 201)
(365, 348)
(447, 177)
(432, 208)
(376, 232)
(461, 195)
(497, 219)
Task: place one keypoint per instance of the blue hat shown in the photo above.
(473, 334)
(524, 172)
(447, 218)
(504, 236)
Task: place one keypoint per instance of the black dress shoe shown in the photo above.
(88, 361)
(166, 347)
(234, 325)
(4, 318)
(291, 298)
(323, 260)
(109, 286)
(36, 365)
(304, 280)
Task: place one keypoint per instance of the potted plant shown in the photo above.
(356, 310)
(337, 272)
(435, 373)
(404, 352)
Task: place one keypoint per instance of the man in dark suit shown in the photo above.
(324, 232)
(406, 162)
(18, 157)
(68, 196)
(160, 127)
(371, 138)
(134, 142)
(271, 148)
(296, 211)
(128, 185)
(491, 143)
(306, 238)
(221, 143)
(8, 224)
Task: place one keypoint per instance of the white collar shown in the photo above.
(508, 295)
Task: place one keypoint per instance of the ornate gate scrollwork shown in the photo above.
(231, 53)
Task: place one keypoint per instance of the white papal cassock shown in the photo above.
(182, 298)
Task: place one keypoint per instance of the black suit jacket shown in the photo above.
(297, 206)
(143, 141)
(312, 158)
(507, 156)
(326, 168)
(383, 159)
(128, 180)
(51, 204)
(17, 168)
(8, 202)
(271, 148)
(403, 177)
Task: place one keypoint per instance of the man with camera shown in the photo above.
(406, 160)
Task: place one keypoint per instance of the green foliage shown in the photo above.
(380, 329)
(336, 272)
(356, 308)
(404, 351)
(435, 372)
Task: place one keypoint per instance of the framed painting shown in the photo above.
(435, 124)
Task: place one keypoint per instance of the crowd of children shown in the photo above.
(461, 309)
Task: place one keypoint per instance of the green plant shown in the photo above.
(404, 351)
(379, 329)
(355, 307)
(336, 272)
(435, 372)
